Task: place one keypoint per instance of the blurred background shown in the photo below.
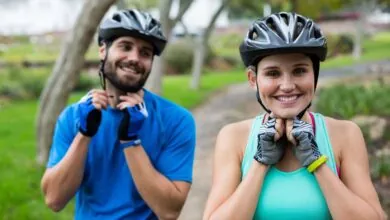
(48, 58)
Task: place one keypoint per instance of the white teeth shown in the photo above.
(128, 70)
(287, 98)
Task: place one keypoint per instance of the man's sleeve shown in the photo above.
(64, 133)
(177, 158)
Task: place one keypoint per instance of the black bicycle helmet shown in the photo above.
(281, 33)
(133, 23)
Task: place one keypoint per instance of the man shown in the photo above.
(124, 152)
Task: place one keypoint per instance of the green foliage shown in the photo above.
(380, 167)
(347, 101)
(226, 47)
(180, 54)
(22, 83)
(340, 44)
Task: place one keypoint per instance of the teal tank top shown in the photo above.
(291, 195)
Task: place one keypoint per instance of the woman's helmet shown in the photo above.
(283, 32)
(133, 23)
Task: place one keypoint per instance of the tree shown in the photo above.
(66, 72)
(202, 46)
(159, 65)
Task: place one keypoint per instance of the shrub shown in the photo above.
(12, 90)
(339, 44)
(180, 54)
(346, 101)
(86, 83)
(22, 83)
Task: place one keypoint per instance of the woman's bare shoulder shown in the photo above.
(342, 127)
(237, 130)
(234, 135)
(344, 134)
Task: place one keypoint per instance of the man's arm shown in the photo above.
(166, 198)
(60, 183)
(163, 185)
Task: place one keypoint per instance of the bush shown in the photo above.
(340, 44)
(180, 54)
(347, 101)
(86, 83)
(21, 83)
(12, 90)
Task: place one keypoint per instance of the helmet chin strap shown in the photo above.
(102, 64)
(299, 116)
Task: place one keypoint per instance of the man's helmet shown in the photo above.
(133, 23)
(281, 33)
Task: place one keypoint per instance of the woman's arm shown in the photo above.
(354, 197)
(231, 198)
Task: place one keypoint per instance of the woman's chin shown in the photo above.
(286, 114)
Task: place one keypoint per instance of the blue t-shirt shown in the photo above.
(107, 190)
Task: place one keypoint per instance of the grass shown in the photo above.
(20, 175)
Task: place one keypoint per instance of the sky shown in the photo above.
(40, 16)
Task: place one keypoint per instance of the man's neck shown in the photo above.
(113, 94)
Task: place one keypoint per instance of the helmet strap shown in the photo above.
(259, 99)
(102, 64)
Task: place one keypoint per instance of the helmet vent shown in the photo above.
(300, 24)
(117, 18)
(285, 18)
(317, 33)
(254, 35)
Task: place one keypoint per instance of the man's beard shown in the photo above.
(125, 85)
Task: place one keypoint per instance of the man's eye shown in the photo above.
(146, 54)
(272, 73)
(125, 47)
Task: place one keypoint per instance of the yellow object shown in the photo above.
(313, 166)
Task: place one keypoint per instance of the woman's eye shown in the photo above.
(299, 71)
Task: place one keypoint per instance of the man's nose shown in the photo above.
(133, 55)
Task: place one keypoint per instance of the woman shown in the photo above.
(289, 163)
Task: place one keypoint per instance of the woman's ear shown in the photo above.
(252, 77)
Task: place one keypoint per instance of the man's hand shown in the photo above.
(269, 148)
(134, 114)
(301, 134)
(90, 111)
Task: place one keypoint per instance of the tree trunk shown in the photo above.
(202, 47)
(154, 82)
(65, 73)
(364, 9)
(198, 62)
